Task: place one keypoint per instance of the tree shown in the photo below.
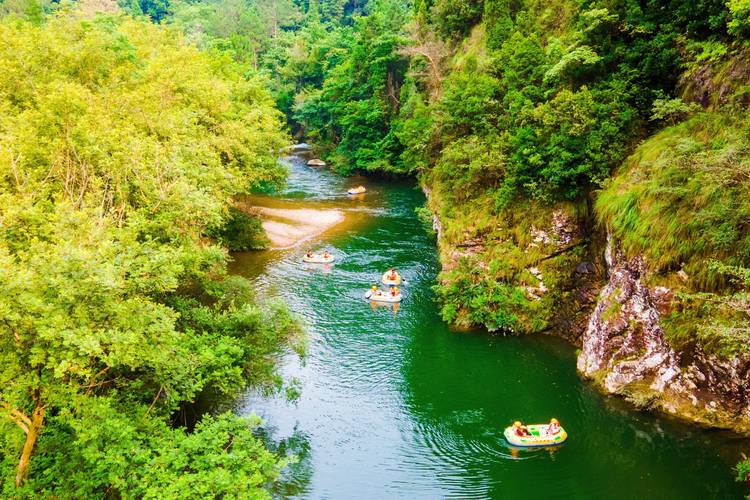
(455, 18)
(498, 20)
(121, 146)
(360, 97)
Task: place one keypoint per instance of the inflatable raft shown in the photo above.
(390, 282)
(357, 190)
(318, 259)
(538, 437)
(381, 296)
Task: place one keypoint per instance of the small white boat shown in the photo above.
(318, 259)
(381, 296)
(357, 190)
(316, 163)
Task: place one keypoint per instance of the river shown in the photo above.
(395, 405)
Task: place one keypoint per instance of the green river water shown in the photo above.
(395, 405)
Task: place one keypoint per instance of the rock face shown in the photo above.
(717, 83)
(625, 351)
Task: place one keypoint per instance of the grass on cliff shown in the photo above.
(682, 199)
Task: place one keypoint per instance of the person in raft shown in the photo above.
(309, 254)
(521, 430)
(375, 291)
(553, 427)
(392, 275)
(394, 291)
(326, 255)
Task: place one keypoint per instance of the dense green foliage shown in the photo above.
(335, 72)
(545, 102)
(241, 231)
(121, 146)
(359, 98)
(681, 199)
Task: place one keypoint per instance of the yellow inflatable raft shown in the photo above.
(381, 296)
(538, 436)
(391, 282)
(318, 259)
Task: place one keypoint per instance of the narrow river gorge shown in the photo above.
(394, 404)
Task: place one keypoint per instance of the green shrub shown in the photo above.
(672, 110)
(739, 25)
(424, 215)
(241, 231)
(471, 296)
(454, 18)
(743, 470)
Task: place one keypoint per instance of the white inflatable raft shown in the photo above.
(381, 296)
(538, 436)
(318, 259)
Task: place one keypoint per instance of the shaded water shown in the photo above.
(394, 405)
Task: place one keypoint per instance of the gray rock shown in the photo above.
(624, 346)
(584, 268)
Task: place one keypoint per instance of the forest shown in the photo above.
(126, 129)
(117, 310)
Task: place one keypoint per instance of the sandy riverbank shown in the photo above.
(287, 228)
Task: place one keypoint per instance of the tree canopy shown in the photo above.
(121, 146)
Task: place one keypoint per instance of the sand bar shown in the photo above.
(287, 228)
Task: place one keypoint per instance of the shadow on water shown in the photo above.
(396, 405)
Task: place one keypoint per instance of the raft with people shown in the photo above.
(391, 278)
(318, 258)
(550, 434)
(393, 295)
(357, 190)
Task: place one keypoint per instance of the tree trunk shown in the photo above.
(37, 421)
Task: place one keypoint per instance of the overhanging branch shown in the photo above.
(19, 418)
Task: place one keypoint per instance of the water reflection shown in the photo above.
(295, 478)
(394, 307)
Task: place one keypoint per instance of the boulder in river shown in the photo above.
(316, 163)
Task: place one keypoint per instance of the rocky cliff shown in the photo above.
(528, 269)
(624, 350)
(607, 305)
